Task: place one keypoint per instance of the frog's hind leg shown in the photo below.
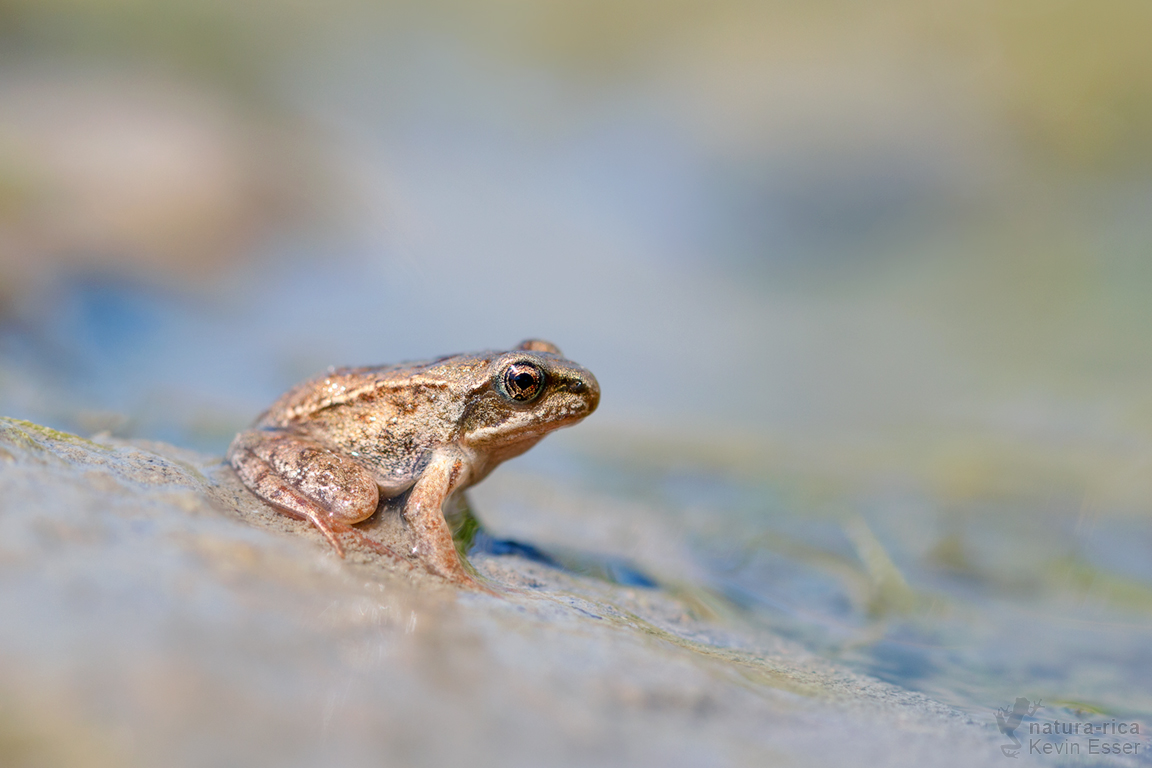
(307, 481)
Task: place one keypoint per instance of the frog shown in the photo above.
(336, 448)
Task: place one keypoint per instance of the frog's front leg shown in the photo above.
(444, 473)
(306, 480)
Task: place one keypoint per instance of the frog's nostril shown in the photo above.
(576, 387)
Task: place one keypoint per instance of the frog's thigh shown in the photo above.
(425, 515)
(304, 478)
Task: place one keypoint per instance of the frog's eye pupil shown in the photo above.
(523, 382)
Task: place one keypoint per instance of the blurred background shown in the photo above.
(865, 285)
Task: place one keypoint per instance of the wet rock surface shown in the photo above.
(154, 612)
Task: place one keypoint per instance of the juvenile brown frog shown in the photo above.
(333, 448)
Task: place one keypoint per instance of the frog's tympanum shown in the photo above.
(333, 448)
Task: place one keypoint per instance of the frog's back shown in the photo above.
(340, 386)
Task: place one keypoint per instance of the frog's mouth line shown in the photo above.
(526, 436)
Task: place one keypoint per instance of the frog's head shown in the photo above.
(524, 394)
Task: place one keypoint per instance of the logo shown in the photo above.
(1106, 736)
(1008, 722)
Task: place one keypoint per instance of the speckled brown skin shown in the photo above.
(332, 448)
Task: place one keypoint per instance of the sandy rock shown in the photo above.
(155, 613)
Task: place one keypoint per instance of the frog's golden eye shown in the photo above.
(523, 381)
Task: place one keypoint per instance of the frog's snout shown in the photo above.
(587, 388)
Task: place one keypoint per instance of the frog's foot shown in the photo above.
(332, 530)
(309, 482)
